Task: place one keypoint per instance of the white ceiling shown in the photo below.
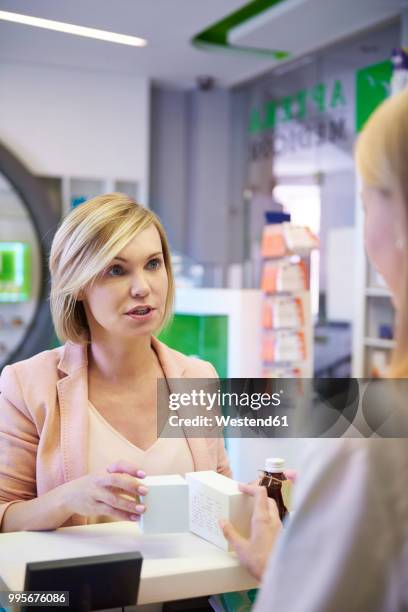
(302, 26)
(168, 25)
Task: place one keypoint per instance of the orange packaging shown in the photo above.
(273, 242)
(302, 265)
(299, 307)
(267, 315)
(284, 346)
(269, 278)
(272, 312)
(268, 349)
(302, 340)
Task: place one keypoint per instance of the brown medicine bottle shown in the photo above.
(272, 478)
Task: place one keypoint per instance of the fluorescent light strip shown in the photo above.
(69, 28)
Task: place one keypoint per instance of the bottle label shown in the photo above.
(287, 486)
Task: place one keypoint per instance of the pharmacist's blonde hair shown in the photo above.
(87, 240)
(382, 161)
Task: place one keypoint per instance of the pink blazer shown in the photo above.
(44, 421)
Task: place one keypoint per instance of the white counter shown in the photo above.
(175, 566)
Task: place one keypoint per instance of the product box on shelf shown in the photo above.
(283, 372)
(299, 239)
(378, 364)
(282, 239)
(283, 312)
(284, 346)
(273, 242)
(287, 338)
(284, 276)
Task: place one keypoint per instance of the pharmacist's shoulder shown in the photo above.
(31, 375)
(374, 455)
(178, 365)
(366, 454)
(358, 464)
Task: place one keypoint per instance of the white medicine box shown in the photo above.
(166, 504)
(213, 496)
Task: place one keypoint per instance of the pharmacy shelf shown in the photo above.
(75, 190)
(286, 253)
(377, 292)
(380, 343)
(373, 305)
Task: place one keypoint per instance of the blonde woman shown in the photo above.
(78, 424)
(346, 546)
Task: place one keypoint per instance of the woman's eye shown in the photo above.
(154, 264)
(115, 270)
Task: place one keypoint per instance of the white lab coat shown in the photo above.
(345, 548)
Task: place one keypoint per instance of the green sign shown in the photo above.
(372, 88)
(15, 277)
(301, 106)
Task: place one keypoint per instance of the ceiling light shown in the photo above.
(69, 28)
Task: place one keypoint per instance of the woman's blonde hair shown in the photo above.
(85, 243)
(382, 161)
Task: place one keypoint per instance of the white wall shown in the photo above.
(70, 122)
(340, 284)
(337, 211)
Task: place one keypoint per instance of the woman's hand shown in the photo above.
(265, 527)
(291, 475)
(113, 492)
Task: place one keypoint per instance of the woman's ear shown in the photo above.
(80, 296)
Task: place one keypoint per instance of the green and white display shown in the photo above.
(15, 267)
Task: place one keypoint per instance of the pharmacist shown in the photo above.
(78, 424)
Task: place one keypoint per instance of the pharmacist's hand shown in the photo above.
(108, 492)
(265, 527)
(291, 475)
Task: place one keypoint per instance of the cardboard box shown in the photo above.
(166, 505)
(213, 496)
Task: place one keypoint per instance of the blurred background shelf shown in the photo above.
(377, 292)
(382, 343)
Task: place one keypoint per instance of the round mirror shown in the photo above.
(20, 263)
(27, 225)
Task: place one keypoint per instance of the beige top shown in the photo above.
(106, 445)
(44, 421)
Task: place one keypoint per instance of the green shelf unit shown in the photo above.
(15, 272)
(204, 336)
